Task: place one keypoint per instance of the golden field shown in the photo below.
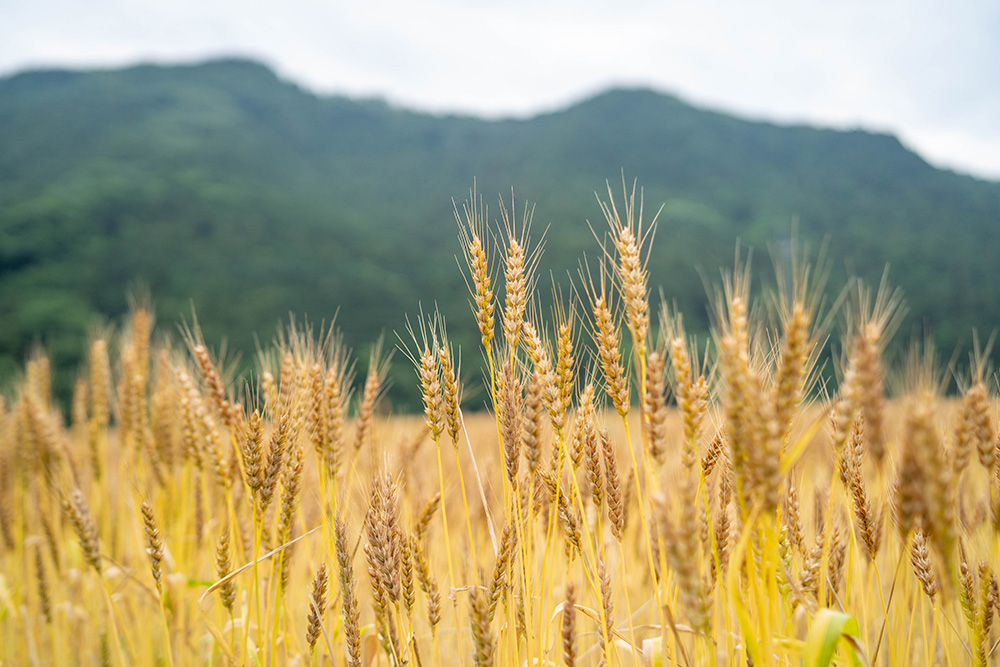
(628, 498)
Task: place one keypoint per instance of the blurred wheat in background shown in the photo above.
(631, 495)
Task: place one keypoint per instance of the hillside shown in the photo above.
(223, 187)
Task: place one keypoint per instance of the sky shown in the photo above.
(925, 70)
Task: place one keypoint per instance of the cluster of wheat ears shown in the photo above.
(627, 496)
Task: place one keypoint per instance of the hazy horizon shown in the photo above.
(925, 71)
(571, 101)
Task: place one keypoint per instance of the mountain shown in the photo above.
(222, 187)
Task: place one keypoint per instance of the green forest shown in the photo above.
(221, 189)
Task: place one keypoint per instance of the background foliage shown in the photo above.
(222, 187)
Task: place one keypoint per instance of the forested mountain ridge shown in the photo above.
(222, 186)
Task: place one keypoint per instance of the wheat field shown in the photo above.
(630, 496)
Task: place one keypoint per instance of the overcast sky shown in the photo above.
(926, 70)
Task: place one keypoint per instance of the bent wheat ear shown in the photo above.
(406, 574)
(253, 453)
(99, 377)
(215, 386)
(565, 373)
(740, 384)
(427, 515)
(223, 566)
(926, 489)
(482, 635)
(538, 351)
(690, 392)
(383, 547)
(154, 545)
(515, 293)
(655, 407)
(878, 318)
(352, 623)
(974, 431)
(607, 602)
(275, 462)
(45, 601)
(429, 371)
(86, 531)
(499, 581)
(428, 584)
(591, 447)
(510, 416)
(606, 338)
(716, 448)
(378, 370)
(475, 248)
(569, 626)
(316, 428)
(451, 388)
(534, 413)
(317, 604)
(920, 558)
(336, 396)
(616, 511)
(629, 238)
